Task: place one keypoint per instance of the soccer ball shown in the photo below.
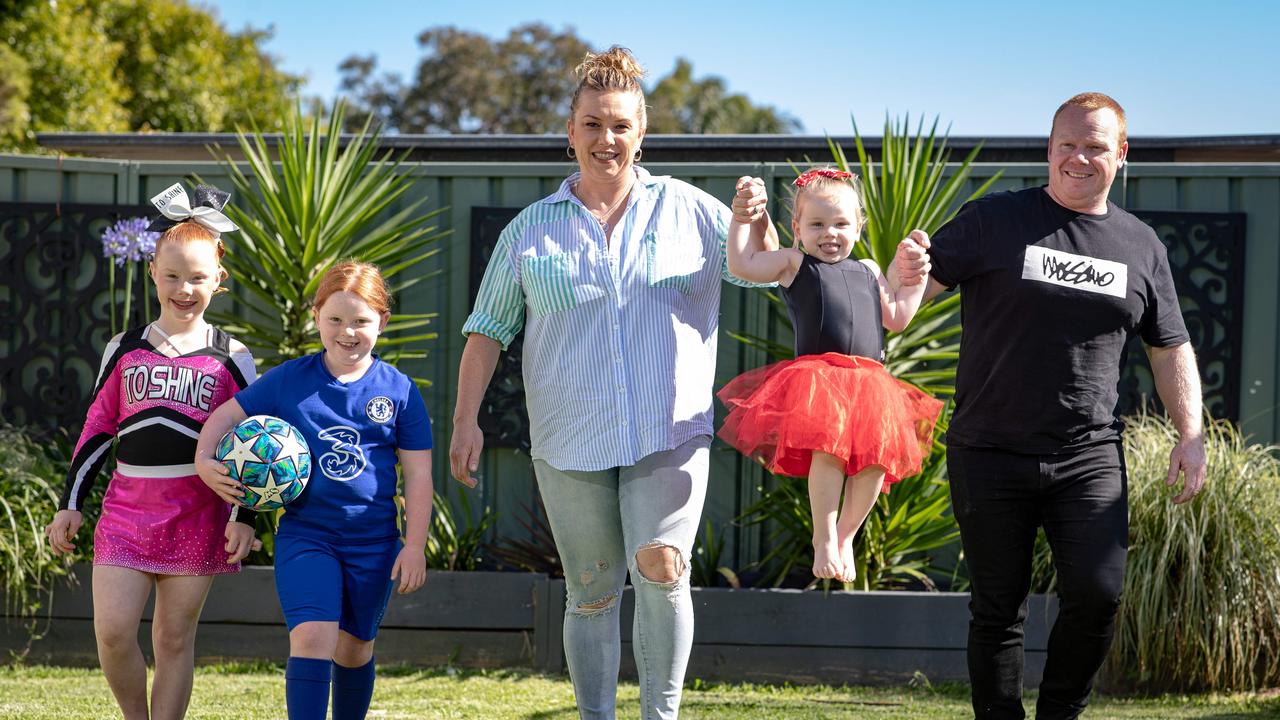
(269, 457)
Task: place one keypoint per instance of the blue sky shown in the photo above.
(988, 68)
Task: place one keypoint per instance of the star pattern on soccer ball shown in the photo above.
(270, 491)
(241, 453)
(289, 446)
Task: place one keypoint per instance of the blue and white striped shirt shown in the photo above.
(620, 339)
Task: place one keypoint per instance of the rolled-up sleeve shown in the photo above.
(499, 308)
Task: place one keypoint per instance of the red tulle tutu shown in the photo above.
(847, 406)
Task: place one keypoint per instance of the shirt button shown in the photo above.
(624, 422)
(622, 390)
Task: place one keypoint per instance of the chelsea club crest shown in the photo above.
(380, 409)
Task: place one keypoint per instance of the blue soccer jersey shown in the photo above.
(353, 431)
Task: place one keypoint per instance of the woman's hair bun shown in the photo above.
(607, 68)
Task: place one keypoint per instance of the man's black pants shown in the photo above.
(999, 499)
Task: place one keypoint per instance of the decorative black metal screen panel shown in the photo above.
(503, 417)
(1207, 257)
(55, 309)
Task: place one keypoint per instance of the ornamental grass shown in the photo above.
(1201, 606)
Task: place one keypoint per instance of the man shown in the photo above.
(1053, 281)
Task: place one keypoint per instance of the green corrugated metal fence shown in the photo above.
(1251, 189)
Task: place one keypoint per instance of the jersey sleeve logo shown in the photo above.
(1082, 272)
(380, 409)
(345, 459)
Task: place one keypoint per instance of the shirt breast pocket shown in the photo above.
(672, 260)
(548, 283)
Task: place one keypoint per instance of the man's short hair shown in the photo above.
(1094, 101)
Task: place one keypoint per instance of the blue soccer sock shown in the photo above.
(306, 687)
(352, 691)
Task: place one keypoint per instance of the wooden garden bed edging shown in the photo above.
(499, 619)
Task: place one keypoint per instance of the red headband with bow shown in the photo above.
(808, 176)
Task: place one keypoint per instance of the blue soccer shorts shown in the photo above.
(324, 581)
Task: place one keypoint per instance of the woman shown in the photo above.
(615, 280)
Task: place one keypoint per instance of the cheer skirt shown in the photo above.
(163, 526)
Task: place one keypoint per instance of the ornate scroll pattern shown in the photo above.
(504, 418)
(55, 309)
(1207, 256)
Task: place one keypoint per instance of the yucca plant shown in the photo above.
(325, 199)
(1201, 603)
(913, 186)
(456, 540)
(535, 551)
(705, 568)
(910, 189)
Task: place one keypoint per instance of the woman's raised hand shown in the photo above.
(750, 199)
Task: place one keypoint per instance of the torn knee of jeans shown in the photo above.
(660, 564)
(596, 607)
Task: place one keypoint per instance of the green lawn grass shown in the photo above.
(256, 692)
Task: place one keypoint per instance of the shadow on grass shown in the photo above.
(879, 701)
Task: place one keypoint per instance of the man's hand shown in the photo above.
(912, 258)
(1188, 459)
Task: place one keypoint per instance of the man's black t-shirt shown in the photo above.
(1049, 297)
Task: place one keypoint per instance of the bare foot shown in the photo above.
(826, 560)
(849, 561)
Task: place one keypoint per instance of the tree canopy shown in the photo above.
(134, 65)
(680, 103)
(467, 82)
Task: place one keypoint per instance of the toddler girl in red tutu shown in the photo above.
(833, 413)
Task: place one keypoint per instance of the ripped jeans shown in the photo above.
(641, 519)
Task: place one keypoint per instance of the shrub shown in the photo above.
(326, 198)
(1201, 608)
(1201, 604)
(31, 477)
(456, 541)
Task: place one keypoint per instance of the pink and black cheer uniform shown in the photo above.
(157, 515)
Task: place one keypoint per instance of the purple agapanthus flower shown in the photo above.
(129, 240)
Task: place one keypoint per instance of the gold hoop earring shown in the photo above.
(639, 152)
(573, 154)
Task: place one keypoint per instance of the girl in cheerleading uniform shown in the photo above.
(338, 548)
(833, 413)
(160, 525)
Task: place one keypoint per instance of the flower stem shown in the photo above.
(128, 293)
(146, 294)
(111, 285)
